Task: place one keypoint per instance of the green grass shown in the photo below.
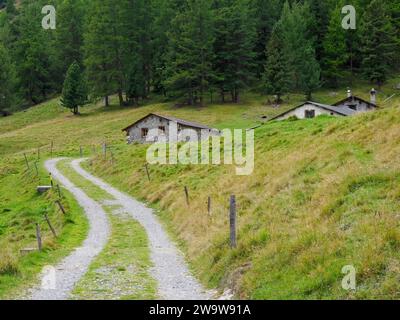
(121, 271)
(324, 193)
(20, 209)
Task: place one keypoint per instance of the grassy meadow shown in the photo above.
(325, 193)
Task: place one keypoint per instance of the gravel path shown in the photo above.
(175, 281)
(73, 267)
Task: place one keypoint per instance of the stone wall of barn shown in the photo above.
(153, 124)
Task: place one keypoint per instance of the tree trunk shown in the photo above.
(121, 98)
(106, 101)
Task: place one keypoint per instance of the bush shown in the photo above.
(8, 263)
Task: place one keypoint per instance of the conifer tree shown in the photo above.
(7, 80)
(235, 63)
(276, 75)
(335, 51)
(34, 54)
(189, 69)
(378, 42)
(104, 48)
(74, 93)
(69, 33)
(299, 47)
(266, 14)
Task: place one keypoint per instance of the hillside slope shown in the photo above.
(325, 193)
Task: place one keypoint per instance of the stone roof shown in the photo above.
(343, 111)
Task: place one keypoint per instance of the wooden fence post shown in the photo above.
(38, 237)
(59, 191)
(26, 162)
(50, 226)
(37, 170)
(51, 148)
(209, 205)
(187, 195)
(51, 180)
(147, 171)
(38, 153)
(105, 151)
(61, 206)
(232, 220)
(81, 151)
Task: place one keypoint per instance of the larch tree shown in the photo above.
(7, 80)
(235, 58)
(335, 51)
(69, 33)
(189, 70)
(299, 47)
(379, 47)
(276, 75)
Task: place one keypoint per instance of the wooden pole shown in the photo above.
(51, 180)
(26, 162)
(81, 151)
(209, 205)
(38, 153)
(51, 148)
(50, 226)
(232, 218)
(59, 191)
(38, 237)
(37, 170)
(187, 195)
(61, 206)
(147, 171)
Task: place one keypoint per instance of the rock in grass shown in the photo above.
(43, 189)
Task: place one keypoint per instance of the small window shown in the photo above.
(353, 106)
(162, 129)
(145, 132)
(309, 114)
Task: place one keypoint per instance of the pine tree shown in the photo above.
(74, 92)
(266, 14)
(276, 76)
(234, 63)
(189, 68)
(164, 13)
(299, 47)
(138, 52)
(7, 80)
(34, 54)
(104, 48)
(378, 42)
(69, 33)
(318, 24)
(335, 53)
(310, 71)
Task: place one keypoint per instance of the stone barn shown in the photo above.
(155, 127)
(346, 107)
